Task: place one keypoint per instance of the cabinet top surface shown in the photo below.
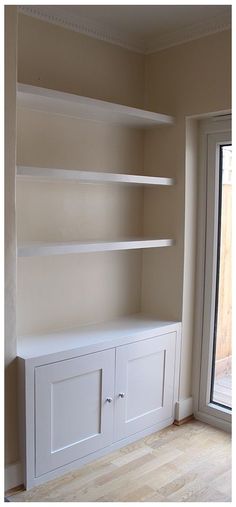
(91, 338)
(43, 99)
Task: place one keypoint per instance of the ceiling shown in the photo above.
(142, 28)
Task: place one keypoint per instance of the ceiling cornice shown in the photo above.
(83, 25)
(96, 30)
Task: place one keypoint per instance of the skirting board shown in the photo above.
(13, 476)
(183, 421)
(184, 409)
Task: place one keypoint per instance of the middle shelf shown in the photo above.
(43, 173)
(59, 248)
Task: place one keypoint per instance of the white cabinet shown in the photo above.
(144, 384)
(73, 409)
(76, 406)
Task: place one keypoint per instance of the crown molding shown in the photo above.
(85, 26)
(81, 25)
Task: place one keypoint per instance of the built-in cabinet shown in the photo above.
(75, 409)
(111, 375)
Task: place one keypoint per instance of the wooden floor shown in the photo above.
(188, 463)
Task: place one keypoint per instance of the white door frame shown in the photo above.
(213, 133)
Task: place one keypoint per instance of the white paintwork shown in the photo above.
(86, 339)
(184, 408)
(145, 375)
(59, 445)
(72, 416)
(43, 173)
(216, 422)
(212, 133)
(39, 249)
(65, 378)
(22, 414)
(43, 99)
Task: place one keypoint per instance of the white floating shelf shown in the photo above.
(93, 337)
(44, 174)
(41, 249)
(43, 99)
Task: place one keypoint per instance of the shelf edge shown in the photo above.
(51, 174)
(142, 118)
(44, 249)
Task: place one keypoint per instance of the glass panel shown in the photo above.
(221, 392)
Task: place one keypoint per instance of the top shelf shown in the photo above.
(43, 99)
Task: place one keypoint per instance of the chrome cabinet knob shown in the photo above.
(109, 400)
(121, 395)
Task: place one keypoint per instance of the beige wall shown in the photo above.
(93, 68)
(11, 444)
(192, 78)
(65, 211)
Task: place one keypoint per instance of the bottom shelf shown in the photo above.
(91, 338)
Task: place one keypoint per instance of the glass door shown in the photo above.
(221, 387)
(215, 387)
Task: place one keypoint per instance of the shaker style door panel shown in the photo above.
(144, 384)
(73, 416)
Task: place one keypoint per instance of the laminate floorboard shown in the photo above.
(188, 463)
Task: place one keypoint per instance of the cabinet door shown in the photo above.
(73, 416)
(144, 384)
